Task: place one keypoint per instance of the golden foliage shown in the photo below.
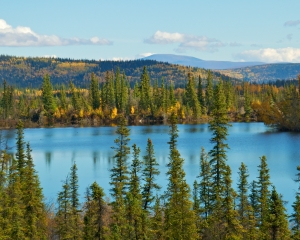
(114, 113)
(132, 110)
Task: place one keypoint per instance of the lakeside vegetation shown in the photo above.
(147, 101)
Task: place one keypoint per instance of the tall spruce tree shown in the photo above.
(145, 92)
(209, 92)
(191, 95)
(205, 186)
(233, 229)
(63, 216)
(157, 221)
(14, 225)
(179, 217)
(295, 217)
(20, 154)
(277, 218)
(200, 95)
(219, 127)
(263, 185)
(75, 205)
(7, 100)
(95, 210)
(94, 92)
(119, 180)
(149, 174)
(47, 96)
(242, 197)
(134, 212)
(34, 208)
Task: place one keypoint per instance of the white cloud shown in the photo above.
(120, 59)
(165, 38)
(271, 55)
(142, 55)
(292, 23)
(199, 43)
(25, 37)
(49, 56)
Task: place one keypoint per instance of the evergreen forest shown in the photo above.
(148, 101)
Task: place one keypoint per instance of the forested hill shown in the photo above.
(265, 73)
(29, 72)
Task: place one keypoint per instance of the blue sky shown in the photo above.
(254, 30)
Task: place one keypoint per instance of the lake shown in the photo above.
(55, 150)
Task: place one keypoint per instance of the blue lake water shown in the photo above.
(55, 149)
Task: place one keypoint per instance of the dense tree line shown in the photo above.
(212, 209)
(29, 72)
(146, 101)
(281, 108)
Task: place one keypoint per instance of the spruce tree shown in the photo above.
(247, 105)
(136, 228)
(20, 154)
(200, 96)
(179, 216)
(14, 224)
(233, 228)
(75, 98)
(145, 103)
(157, 222)
(172, 99)
(6, 101)
(94, 92)
(118, 90)
(277, 218)
(263, 185)
(219, 127)
(192, 99)
(47, 96)
(209, 92)
(149, 174)
(119, 181)
(295, 217)
(35, 212)
(75, 205)
(95, 210)
(242, 197)
(63, 97)
(205, 186)
(63, 216)
(123, 100)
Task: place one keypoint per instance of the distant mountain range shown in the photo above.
(265, 73)
(247, 71)
(196, 62)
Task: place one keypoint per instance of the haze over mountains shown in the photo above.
(196, 62)
(248, 71)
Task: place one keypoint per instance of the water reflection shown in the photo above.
(48, 159)
(96, 159)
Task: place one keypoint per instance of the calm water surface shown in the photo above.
(55, 149)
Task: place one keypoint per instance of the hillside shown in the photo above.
(23, 72)
(265, 73)
(196, 62)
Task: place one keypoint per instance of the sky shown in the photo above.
(232, 30)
